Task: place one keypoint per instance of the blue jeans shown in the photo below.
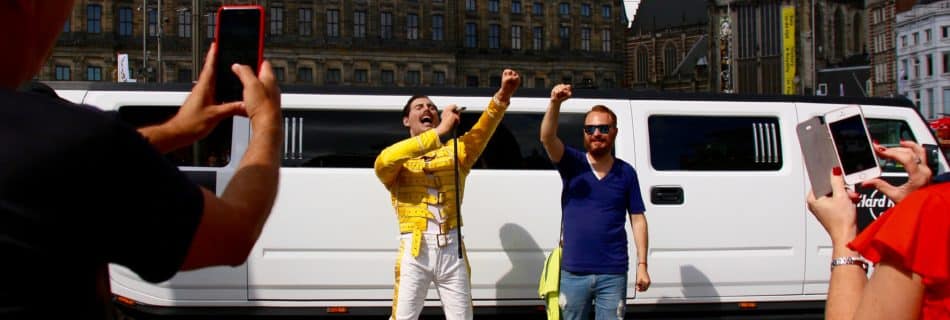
(606, 292)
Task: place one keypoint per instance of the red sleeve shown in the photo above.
(914, 234)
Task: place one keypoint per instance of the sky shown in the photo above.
(630, 7)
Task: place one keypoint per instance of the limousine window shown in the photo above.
(353, 139)
(212, 151)
(889, 133)
(715, 143)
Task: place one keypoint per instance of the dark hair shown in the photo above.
(604, 109)
(405, 110)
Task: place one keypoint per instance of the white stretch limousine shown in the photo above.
(721, 176)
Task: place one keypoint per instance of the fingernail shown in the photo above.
(836, 171)
(875, 141)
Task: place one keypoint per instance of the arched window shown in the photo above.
(840, 34)
(670, 58)
(643, 64)
(857, 27)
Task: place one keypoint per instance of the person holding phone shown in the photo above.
(420, 174)
(80, 190)
(909, 243)
(599, 193)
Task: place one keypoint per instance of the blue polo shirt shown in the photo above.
(595, 213)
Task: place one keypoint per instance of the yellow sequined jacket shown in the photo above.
(402, 168)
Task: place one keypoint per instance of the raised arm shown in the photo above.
(231, 223)
(474, 141)
(197, 116)
(552, 144)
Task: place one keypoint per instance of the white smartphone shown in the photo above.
(852, 143)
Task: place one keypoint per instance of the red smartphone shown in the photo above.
(239, 33)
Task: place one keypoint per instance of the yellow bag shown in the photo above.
(548, 287)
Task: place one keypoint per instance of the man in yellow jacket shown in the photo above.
(420, 175)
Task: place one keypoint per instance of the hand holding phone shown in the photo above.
(852, 142)
(240, 39)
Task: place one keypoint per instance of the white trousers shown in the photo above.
(435, 264)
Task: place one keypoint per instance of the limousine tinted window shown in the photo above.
(889, 133)
(715, 143)
(212, 151)
(353, 139)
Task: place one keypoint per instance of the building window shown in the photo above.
(125, 22)
(946, 62)
(360, 75)
(537, 9)
(494, 81)
(184, 24)
(211, 20)
(438, 27)
(305, 21)
(438, 78)
(643, 64)
(359, 24)
(471, 35)
(916, 68)
(904, 71)
(413, 78)
(305, 75)
(946, 100)
(152, 22)
(608, 83)
(670, 59)
(280, 74)
(585, 9)
(904, 41)
(276, 16)
(564, 9)
(494, 36)
(539, 82)
(93, 73)
(538, 38)
(605, 40)
(927, 36)
(93, 19)
(66, 26)
(516, 37)
(565, 35)
(333, 76)
(730, 143)
(585, 39)
(605, 11)
(62, 73)
(516, 7)
(470, 5)
(915, 38)
(387, 77)
(386, 25)
(412, 26)
(184, 75)
(471, 81)
(930, 65)
(493, 6)
(945, 32)
(333, 23)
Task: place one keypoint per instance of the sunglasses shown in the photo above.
(603, 128)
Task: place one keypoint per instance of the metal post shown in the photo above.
(144, 73)
(195, 36)
(158, 26)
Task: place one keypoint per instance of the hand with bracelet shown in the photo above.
(850, 294)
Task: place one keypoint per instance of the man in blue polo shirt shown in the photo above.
(599, 192)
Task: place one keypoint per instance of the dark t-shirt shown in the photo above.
(79, 190)
(595, 212)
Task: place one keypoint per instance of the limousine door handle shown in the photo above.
(666, 195)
